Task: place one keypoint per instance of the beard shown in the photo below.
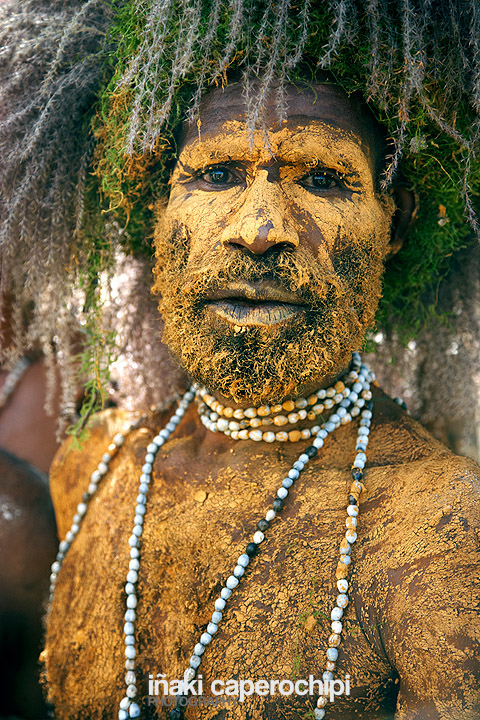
(264, 363)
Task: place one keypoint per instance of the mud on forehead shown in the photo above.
(323, 102)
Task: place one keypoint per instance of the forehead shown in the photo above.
(322, 109)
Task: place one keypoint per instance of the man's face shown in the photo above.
(270, 252)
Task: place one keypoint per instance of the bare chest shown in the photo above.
(274, 627)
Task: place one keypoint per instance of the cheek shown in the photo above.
(330, 226)
(202, 214)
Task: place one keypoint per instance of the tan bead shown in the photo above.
(311, 415)
(256, 422)
(220, 409)
(293, 418)
(263, 410)
(341, 571)
(312, 399)
(288, 405)
(330, 665)
(276, 409)
(339, 386)
(281, 436)
(322, 700)
(351, 522)
(294, 435)
(345, 547)
(228, 412)
(330, 392)
(318, 408)
(306, 434)
(280, 420)
(334, 640)
(328, 403)
(214, 406)
(250, 412)
(208, 399)
(243, 434)
(238, 414)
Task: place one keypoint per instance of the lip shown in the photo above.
(254, 303)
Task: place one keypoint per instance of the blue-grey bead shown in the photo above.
(287, 482)
(282, 493)
(122, 715)
(226, 593)
(133, 541)
(231, 583)
(220, 604)
(134, 564)
(322, 433)
(130, 616)
(199, 649)
(132, 576)
(152, 448)
(158, 440)
(134, 710)
(238, 571)
(131, 601)
(329, 426)
(95, 477)
(293, 474)
(129, 640)
(332, 654)
(144, 479)
(195, 661)
(134, 553)
(205, 638)
(125, 703)
(327, 676)
(138, 520)
(363, 431)
(131, 690)
(212, 628)
(140, 509)
(141, 499)
(164, 434)
(64, 546)
(128, 628)
(59, 557)
(298, 465)
(303, 459)
(217, 616)
(56, 567)
(137, 530)
(130, 651)
(170, 426)
(70, 536)
(53, 577)
(149, 458)
(147, 468)
(76, 519)
(130, 588)
(143, 488)
(243, 560)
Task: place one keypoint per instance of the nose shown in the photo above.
(261, 222)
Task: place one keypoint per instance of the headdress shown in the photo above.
(93, 93)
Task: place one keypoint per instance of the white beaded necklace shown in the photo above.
(358, 400)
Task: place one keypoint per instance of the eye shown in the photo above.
(320, 180)
(218, 175)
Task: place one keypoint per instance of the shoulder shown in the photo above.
(75, 462)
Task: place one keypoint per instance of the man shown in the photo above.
(231, 540)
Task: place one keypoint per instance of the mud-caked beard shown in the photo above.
(260, 364)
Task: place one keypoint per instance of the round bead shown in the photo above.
(195, 661)
(128, 628)
(217, 615)
(199, 649)
(132, 601)
(122, 715)
(342, 585)
(131, 691)
(205, 638)
(270, 515)
(337, 627)
(337, 613)
(342, 600)
(269, 437)
(220, 604)
(322, 701)
(277, 506)
(130, 616)
(226, 593)
(189, 674)
(352, 510)
(255, 435)
(294, 435)
(212, 628)
(130, 652)
(134, 710)
(282, 493)
(263, 525)
(243, 560)
(293, 474)
(252, 547)
(259, 537)
(239, 571)
(332, 653)
(317, 443)
(125, 703)
(351, 536)
(319, 713)
(281, 436)
(130, 678)
(280, 420)
(231, 583)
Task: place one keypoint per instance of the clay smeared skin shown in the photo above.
(410, 628)
(268, 208)
(413, 584)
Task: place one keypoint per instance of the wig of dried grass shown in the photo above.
(92, 93)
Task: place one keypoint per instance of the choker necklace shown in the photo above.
(129, 706)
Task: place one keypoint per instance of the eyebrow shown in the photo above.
(212, 150)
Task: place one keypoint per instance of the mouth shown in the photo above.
(254, 303)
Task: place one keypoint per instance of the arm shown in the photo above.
(432, 636)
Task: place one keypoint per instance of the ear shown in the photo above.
(404, 216)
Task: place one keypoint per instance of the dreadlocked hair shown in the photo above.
(92, 94)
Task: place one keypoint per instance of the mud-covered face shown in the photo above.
(270, 252)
